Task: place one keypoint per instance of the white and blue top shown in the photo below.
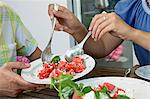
(136, 13)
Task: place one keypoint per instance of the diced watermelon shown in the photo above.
(109, 86)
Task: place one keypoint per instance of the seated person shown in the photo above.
(15, 40)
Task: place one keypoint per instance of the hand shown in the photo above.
(66, 20)
(12, 84)
(109, 23)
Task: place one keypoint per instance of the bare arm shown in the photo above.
(67, 21)
(100, 48)
(103, 24)
(141, 38)
(35, 55)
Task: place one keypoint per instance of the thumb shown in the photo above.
(16, 65)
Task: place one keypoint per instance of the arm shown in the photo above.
(99, 48)
(141, 38)
(117, 27)
(70, 24)
(35, 55)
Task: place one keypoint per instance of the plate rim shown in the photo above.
(114, 77)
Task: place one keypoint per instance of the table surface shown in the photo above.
(98, 71)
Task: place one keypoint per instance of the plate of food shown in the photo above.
(143, 72)
(117, 87)
(102, 88)
(40, 73)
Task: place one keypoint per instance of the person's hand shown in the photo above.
(11, 84)
(109, 23)
(66, 20)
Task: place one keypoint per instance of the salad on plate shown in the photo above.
(57, 67)
(40, 73)
(67, 88)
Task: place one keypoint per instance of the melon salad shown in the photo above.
(104, 91)
(68, 89)
(57, 67)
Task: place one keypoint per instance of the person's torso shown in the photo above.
(7, 35)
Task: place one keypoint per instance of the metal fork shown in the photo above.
(47, 54)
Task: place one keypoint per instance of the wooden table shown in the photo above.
(97, 72)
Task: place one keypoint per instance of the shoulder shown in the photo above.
(126, 4)
(126, 9)
(6, 9)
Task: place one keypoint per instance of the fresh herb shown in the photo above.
(103, 93)
(55, 60)
(66, 87)
(122, 97)
(97, 95)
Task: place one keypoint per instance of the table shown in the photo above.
(98, 71)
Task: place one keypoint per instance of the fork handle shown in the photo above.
(84, 40)
(53, 21)
(53, 26)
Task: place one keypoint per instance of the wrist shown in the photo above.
(133, 34)
(80, 30)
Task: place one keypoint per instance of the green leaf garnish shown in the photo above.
(55, 60)
(97, 95)
(122, 97)
(87, 89)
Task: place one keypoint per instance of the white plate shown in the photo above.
(136, 88)
(30, 74)
(143, 72)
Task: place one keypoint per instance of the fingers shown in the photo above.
(102, 24)
(16, 65)
(10, 93)
(94, 20)
(95, 26)
(100, 28)
(24, 85)
(61, 13)
(50, 10)
(58, 26)
(107, 29)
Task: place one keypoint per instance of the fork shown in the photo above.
(47, 54)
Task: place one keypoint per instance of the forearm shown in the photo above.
(141, 38)
(35, 55)
(100, 48)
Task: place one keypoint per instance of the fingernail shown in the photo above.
(89, 28)
(95, 39)
(27, 64)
